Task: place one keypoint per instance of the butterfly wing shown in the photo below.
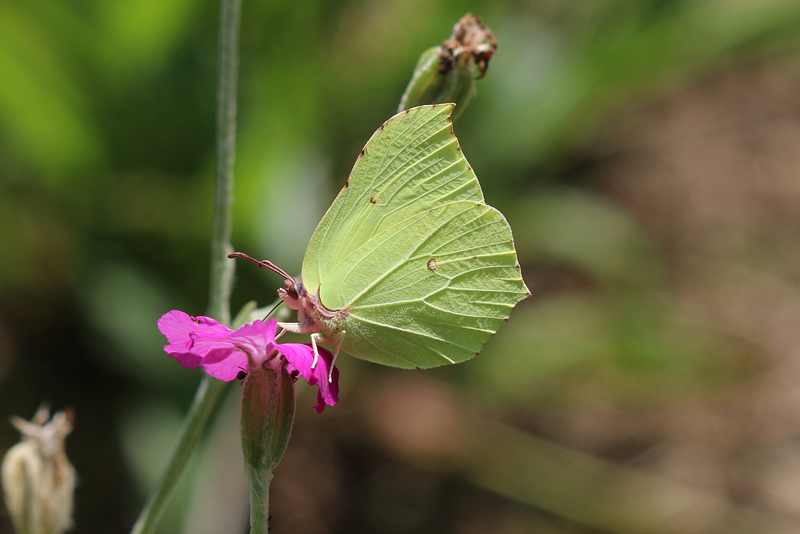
(430, 290)
(424, 269)
(410, 164)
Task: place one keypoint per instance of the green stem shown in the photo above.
(210, 390)
(206, 398)
(259, 480)
(221, 267)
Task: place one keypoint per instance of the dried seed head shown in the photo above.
(38, 480)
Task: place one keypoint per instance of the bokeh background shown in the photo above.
(645, 152)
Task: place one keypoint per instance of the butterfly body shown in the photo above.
(409, 267)
(312, 316)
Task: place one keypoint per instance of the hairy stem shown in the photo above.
(221, 266)
(259, 500)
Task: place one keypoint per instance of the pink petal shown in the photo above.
(177, 325)
(227, 369)
(257, 338)
(191, 334)
(300, 358)
(196, 341)
(269, 329)
(187, 359)
(328, 392)
(193, 339)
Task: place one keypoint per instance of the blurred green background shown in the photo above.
(645, 153)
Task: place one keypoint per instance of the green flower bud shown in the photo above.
(266, 424)
(38, 480)
(426, 82)
(447, 73)
(267, 413)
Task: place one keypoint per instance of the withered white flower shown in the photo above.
(38, 480)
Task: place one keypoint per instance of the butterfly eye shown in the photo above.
(241, 375)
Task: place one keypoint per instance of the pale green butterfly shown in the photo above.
(409, 267)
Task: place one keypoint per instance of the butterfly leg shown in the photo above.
(314, 337)
(335, 355)
(294, 328)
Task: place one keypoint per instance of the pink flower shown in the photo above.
(223, 352)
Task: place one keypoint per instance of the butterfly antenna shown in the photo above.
(262, 263)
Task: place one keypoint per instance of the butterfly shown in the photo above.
(409, 267)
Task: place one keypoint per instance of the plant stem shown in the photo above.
(206, 398)
(221, 267)
(210, 390)
(259, 480)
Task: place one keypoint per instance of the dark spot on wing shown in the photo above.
(372, 200)
(347, 183)
(362, 153)
(432, 265)
(381, 127)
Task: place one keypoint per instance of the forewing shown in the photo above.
(430, 290)
(410, 164)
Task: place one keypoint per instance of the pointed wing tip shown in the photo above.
(443, 107)
(446, 107)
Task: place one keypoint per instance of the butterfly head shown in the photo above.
(312, 315)
(290, 293)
